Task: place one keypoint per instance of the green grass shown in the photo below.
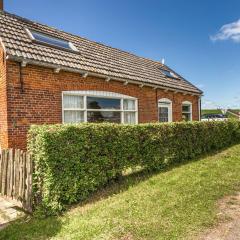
(230, 115)
(211, 111)
(234, 110)
(174, 204)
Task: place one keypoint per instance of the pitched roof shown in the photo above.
(92, 57)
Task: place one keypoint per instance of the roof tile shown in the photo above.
(92, 56)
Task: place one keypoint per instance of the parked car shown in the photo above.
(214, 117)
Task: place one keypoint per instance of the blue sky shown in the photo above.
(189, 35)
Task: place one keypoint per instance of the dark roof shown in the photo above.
(92, 57)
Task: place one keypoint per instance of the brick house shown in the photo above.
(49, 76)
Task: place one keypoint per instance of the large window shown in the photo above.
(187, 111)
(96, 106)
(165, 110)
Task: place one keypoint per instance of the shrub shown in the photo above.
(71, 161)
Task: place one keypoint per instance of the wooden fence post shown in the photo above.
(4, 177)
(16, 176)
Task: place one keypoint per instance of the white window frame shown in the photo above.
(100, 94)
(169, 106)
(187, 103)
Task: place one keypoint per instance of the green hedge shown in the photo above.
(71, 161)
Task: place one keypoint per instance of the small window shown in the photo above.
(168, 73)
(73, 102)
(129, 104)
(129, 111)
(50, 40)
(73, 108)
(165, 110)
(187, 111)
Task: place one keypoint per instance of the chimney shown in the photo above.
(1, 5)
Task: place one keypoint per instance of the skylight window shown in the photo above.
(168, 73)
(49, 40)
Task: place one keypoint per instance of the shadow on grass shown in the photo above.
(29, 227)
(123, 183)
(35, 228)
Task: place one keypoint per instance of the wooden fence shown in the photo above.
(16, 176)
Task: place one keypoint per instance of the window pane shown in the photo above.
(128, 104)
(168, 73)
(164, 103)
(102, 103)
(72, 101)
(73, 116)
(186, 108)
(98, 116)
(163, 114)
(186, 116)
(50, 40)
(129, 117)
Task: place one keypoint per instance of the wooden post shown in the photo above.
(4, 179)
(24, 177)
(11, 166)
(16, 176)
(20, 175)
(28, 191)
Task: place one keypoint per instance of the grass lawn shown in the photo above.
(230, 115)
(234, 110)
(211, 111)
(174, 204)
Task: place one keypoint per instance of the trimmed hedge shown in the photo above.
(71, 161)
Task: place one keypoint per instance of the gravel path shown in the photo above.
(229, 225)
(9, 211)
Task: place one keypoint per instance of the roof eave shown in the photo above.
(83, 72)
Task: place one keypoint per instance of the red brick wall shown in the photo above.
(177, 99)
(41, 99)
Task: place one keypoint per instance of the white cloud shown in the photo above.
(230, 31)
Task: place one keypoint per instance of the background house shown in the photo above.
(48, 76)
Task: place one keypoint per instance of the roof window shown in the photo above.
(50, 40)
(168, 73)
